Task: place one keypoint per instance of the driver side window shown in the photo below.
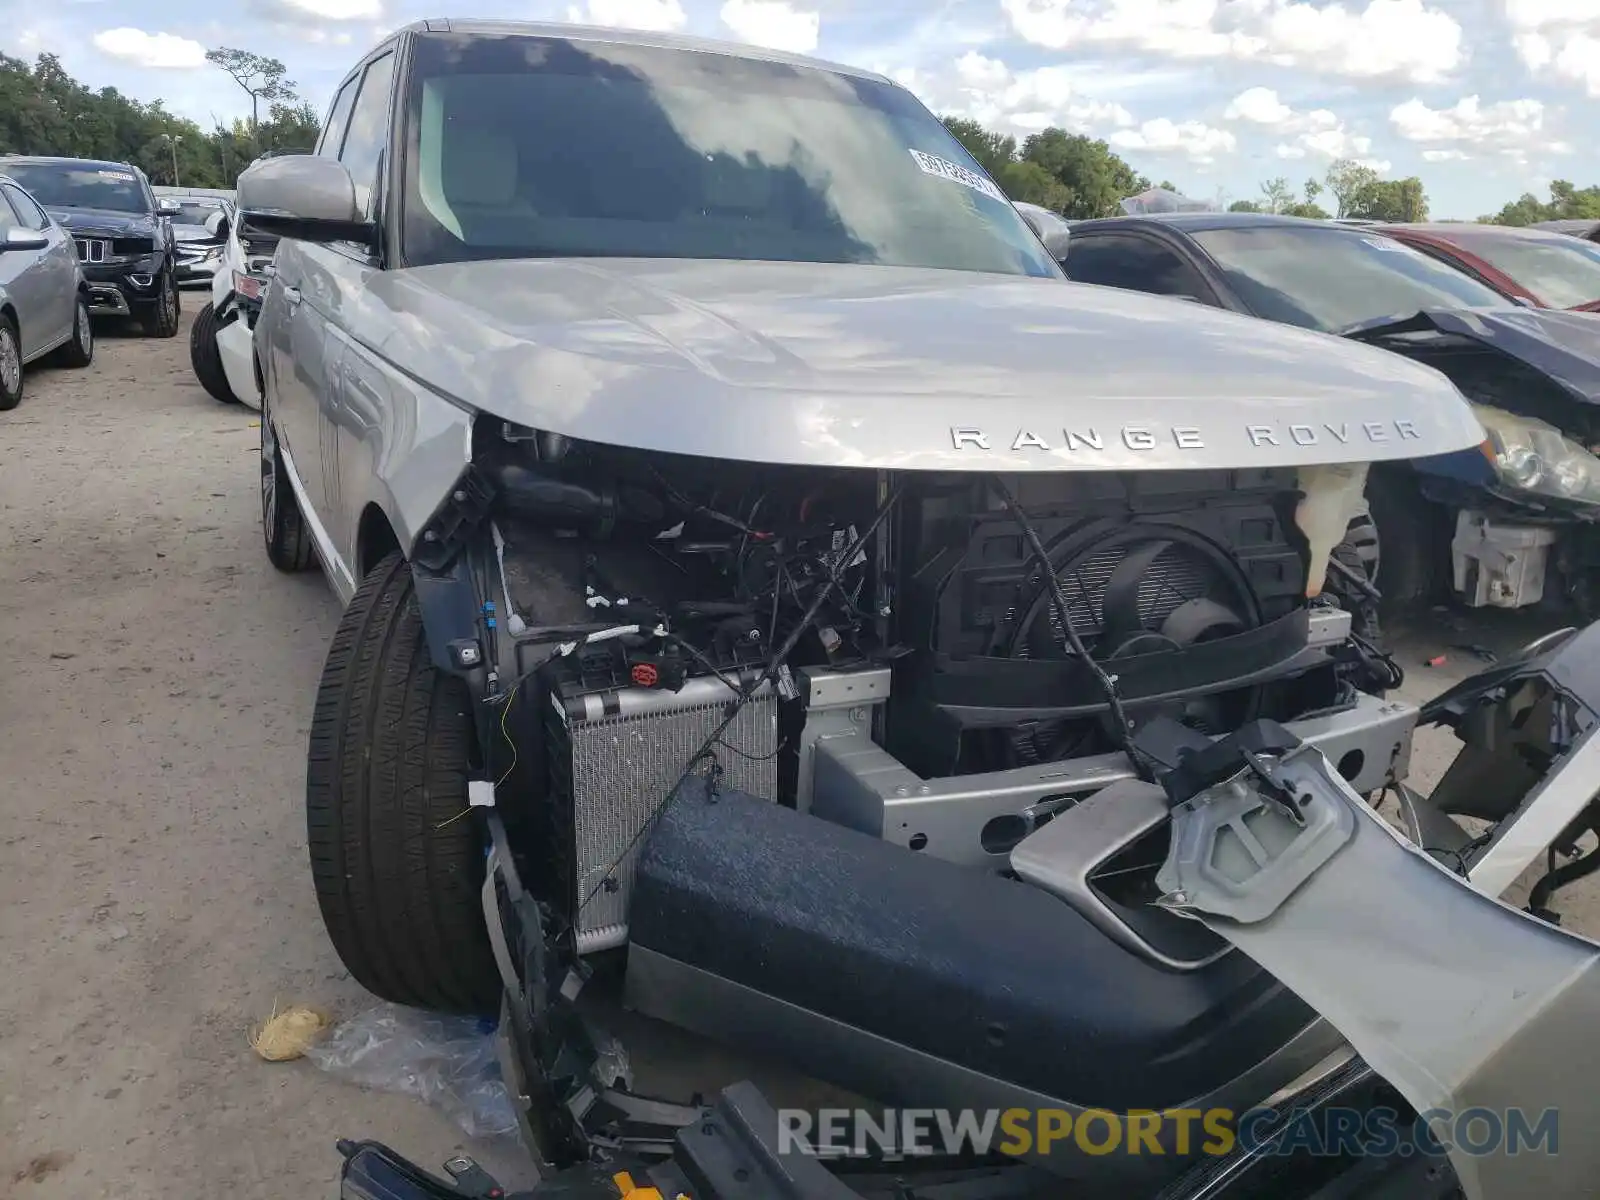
(338, 117)
(29, 213)
(1136, 264)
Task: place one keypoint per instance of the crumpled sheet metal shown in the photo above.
(1458, 1000)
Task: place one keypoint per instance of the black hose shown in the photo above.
(1108, 685)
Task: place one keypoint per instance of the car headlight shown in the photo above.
(1534, 456)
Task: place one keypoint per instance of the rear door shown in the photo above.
(57, 268)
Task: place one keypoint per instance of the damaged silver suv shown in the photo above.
(666, 409)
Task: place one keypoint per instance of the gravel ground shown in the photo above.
(156, 679)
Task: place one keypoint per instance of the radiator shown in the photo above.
(617, 755)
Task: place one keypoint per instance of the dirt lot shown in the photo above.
(156, 677)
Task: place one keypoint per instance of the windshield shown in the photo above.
(59, 185)
(194, 212)
(1331, 278)
(1561, 271)
(520, 146)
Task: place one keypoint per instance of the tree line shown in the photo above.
(44, 110)
(1082, 177)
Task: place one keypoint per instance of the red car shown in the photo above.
(1533, 266)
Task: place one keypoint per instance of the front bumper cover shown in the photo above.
(120, 289)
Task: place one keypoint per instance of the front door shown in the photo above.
(56, 269)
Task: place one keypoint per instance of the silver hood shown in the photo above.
(915, 369)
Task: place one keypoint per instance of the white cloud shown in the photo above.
(1558, 37)
(1317, 131)
(165, 51)
(1388, 39)
(1259, 106)
(774, 24)
(1338, 142)
(1444, 156)
(989, 92)
(1506, 123)
(337, 10)
(654, 16)
(1199, 142)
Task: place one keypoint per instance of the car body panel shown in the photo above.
(1563, 345)
(838, 365)
(41, 286)
(874, 366)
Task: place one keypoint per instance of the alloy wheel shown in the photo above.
(82, 329)
(10, 361)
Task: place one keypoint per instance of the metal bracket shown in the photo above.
(1239, 851)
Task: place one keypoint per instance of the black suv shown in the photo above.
(123, 233)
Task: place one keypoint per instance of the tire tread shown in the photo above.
(396, 856)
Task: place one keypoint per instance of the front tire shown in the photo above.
(282, 524)
(162, 319)
(10, 365)
(205, 358)
(397, 856)
(79, 350)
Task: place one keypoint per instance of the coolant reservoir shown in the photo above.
(1334, 495)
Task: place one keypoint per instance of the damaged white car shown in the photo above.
(684, 421)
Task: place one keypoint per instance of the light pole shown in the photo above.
(173, 140)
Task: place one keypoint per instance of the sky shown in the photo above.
(1483, 99)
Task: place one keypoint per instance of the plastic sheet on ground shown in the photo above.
(1160, 200)
(450, 1062)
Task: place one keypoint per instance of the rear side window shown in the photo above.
(1135, 263)
(369, 130)
(338, 118)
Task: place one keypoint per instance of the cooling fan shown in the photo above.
(1141, 589)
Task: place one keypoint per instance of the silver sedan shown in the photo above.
(43, 304)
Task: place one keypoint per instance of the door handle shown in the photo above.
(291, 294)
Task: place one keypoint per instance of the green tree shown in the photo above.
(992, 150)
(260, 77)
(1244, 206)
(1346, 179)
(1275, 195)
(1391, 200)
(43, 110)
(1567, 203)
(1314, 212)
(1097, 178)
(1032, 184)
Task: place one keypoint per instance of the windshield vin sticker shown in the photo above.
(1388, 244)
(955, 173)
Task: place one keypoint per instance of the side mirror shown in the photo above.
(167, 206)
(1050, 228)
(304, 197)
(18, 238)
(215, 222)
(1523, 302)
